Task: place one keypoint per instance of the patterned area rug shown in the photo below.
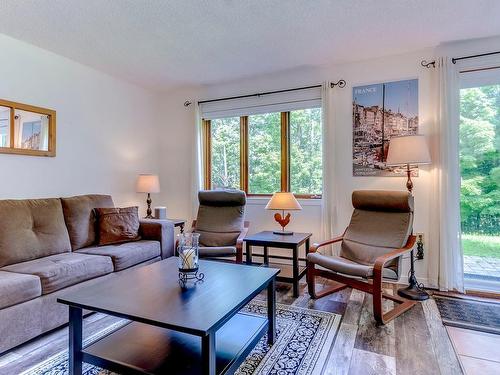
(476, 315)
(304, 340)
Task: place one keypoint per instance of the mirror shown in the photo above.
(5, 126)
(31, 130)
(26, 129)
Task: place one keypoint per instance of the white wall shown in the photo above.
(179, 146)
(106, 129)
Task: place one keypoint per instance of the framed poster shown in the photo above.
(379, 112)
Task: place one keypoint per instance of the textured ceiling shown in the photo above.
(162, 44)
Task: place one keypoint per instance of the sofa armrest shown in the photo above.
(159, 230)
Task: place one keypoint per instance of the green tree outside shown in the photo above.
(480, 168)
(264, 152)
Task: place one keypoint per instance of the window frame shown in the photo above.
(285, 156)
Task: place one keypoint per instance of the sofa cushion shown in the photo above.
(117, 225)
(17, 287)
(81, 219)
(128, 254)
(62, 270)
(347, 267)
(30, 229)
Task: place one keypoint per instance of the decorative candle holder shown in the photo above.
(187, 251)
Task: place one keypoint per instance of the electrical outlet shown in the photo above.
(420, 246)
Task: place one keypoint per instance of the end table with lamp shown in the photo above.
(288, 273)
(292, 273)
(410, 150)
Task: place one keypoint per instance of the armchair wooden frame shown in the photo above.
(374, 286)
(239, 240)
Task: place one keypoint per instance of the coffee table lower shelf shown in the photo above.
(139, 348)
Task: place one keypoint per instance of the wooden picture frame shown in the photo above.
(16, 146)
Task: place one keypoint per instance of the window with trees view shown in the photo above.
(265, 153)
(480, 171)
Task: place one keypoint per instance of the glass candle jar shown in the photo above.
(187, 251)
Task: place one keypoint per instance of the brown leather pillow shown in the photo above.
(117, 225)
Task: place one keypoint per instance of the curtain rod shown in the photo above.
(454, 60)
(340, 83)
(258, 94)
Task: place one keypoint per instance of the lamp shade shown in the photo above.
(408, 149)
(148, 183)
(283, 201)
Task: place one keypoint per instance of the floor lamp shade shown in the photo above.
(408, 149)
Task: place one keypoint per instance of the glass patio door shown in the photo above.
(480, 178)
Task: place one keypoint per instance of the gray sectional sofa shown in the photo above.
(48, 247)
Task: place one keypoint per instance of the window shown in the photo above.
(265, 152)
(27, 130)
(479, 136)
(225, 136)
(306, 164)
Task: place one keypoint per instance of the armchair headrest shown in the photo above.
(382, 200)
(221, 198)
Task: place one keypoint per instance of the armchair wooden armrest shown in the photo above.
(377, 285)
(239, 242)
(316, 246)
(383, 259)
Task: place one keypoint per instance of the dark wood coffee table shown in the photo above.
(289, 273)
(174, 330)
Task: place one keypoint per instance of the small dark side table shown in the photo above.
(178, 223)
(266, 239)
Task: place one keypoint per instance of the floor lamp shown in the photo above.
(410, 150)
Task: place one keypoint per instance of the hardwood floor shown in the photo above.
(415, 343)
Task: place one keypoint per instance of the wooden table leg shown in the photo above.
(208, 354)
(307, 249)
(295, 272)
(75, 340)
(271, 311)
(248, 253)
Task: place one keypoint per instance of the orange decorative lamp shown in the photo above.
(283, 201)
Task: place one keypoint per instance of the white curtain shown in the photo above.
(445, 223)
(197, 173)
(328, 201)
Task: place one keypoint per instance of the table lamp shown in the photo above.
(283, 201)
(410, 150)
(148, 183)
